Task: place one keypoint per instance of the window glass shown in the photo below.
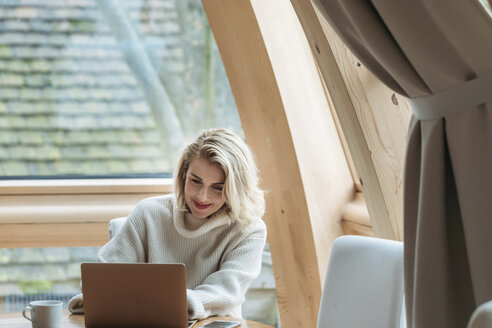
(30, 274)
(106, 87)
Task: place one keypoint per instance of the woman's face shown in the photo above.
(203, 187)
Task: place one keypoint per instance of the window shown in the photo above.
(40, 273)
(93, 93)
(106, 88)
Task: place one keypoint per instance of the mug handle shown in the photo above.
(27, 309)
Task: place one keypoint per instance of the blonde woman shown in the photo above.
(211, 223)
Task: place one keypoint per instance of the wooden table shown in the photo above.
(16, 320)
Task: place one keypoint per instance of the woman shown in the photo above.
(211, 223)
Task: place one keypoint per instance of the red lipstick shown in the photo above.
(200, 206)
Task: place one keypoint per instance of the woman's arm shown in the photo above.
(128, 245)
(224, 290)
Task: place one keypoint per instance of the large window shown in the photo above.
(97, 88)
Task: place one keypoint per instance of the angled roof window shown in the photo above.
(106, 88)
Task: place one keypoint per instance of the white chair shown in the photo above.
(482, 316)
(115, 226)
(363, 285)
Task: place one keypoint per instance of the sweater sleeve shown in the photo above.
(128, 244)
(224, 290)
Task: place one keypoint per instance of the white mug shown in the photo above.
(44, 314)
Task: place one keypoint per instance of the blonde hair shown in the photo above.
(244, 200)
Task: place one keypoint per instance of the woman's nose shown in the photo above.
(202, 194)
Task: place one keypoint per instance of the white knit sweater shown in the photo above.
(221, 257)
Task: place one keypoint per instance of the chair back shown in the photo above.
(482, 316)
(115, 226)
(363, 285)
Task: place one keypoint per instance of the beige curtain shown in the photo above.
(420, 48)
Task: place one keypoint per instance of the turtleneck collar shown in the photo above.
(189, 226)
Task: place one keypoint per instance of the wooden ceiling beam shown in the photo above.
(287, 121)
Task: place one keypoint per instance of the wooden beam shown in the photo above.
(287, 122)
(356, 211)
(352, 228)
(53, 208)
(53, 235)
(374, 121)
(384, 117)
(355, 218)
(86, 186)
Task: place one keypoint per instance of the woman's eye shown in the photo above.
(195, 181)
(217, 188)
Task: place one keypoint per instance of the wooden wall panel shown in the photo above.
(287, 122)
(384, 117)
(373, 119)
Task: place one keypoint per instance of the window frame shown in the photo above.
(69, 212)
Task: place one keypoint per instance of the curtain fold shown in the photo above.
(419, 48)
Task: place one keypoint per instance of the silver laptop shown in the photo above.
(134, 295)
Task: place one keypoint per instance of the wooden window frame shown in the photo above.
(45, 213)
